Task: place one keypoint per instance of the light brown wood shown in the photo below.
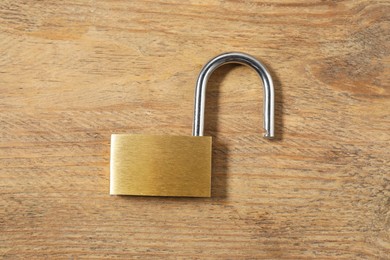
(73, 72)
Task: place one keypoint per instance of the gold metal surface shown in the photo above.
(151, 165)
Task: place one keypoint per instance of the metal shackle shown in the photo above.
(240, 58)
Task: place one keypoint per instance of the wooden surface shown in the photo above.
(73, 72)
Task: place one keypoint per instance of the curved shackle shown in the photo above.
(240, 58)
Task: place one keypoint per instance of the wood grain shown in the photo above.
(73, 72)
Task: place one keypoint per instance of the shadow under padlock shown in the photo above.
(154, 165)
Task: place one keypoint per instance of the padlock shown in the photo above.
(164, 165)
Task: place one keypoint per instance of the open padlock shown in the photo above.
(152, 165)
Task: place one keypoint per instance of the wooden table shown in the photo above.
(74, 72)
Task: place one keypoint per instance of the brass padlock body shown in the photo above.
(152, 165)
